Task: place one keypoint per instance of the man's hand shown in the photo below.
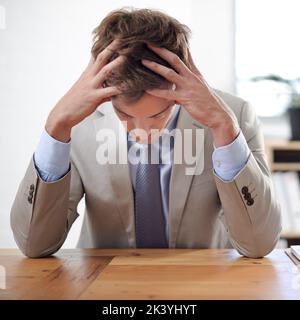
(193, 93)
(85, 95)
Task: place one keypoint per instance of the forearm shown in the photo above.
(251, 211)
(39, 215)
(225, 131)
(58, 128)
(42, 200)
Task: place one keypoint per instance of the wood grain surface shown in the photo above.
(149, 274)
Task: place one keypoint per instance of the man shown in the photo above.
(142, 76)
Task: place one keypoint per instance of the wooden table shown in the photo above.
(149, 274)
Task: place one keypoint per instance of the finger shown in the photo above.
(104, 73)
(108, 92)
(165, 94)
(172, 58)
(167, 73)
(104, 56)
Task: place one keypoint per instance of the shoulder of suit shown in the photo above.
(234, 102)
(87, 125)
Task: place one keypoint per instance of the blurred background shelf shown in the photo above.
(283, 155)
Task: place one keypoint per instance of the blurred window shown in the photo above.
(267, 43)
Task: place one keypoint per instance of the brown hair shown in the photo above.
(135, 28)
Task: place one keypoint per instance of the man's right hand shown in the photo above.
(84, 96)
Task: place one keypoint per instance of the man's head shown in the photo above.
(135, 28)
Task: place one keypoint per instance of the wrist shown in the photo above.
(58, 129)
(225, 132)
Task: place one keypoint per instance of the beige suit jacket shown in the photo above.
(204, 211)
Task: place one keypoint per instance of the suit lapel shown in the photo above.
(180, 181)
(119, 173)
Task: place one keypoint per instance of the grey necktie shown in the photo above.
(149, 218)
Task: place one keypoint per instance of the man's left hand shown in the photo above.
(194, 94)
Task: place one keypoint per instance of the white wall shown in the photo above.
(44, 46)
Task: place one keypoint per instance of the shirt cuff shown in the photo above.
(52, 157)
(229, 160)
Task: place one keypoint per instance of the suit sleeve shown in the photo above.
(43, 212)
(251, 211)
